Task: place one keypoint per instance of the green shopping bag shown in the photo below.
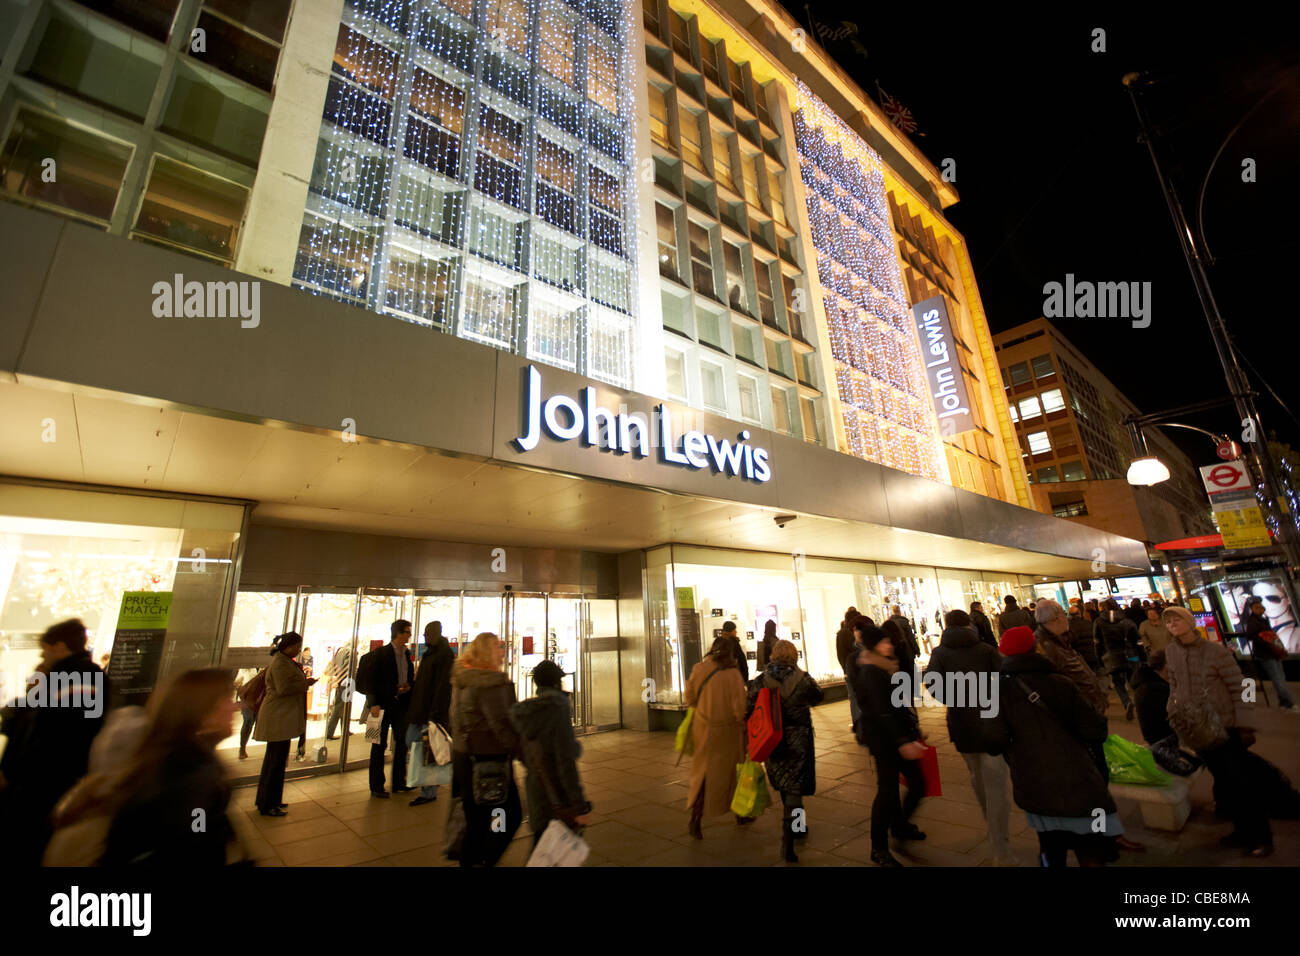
(1129, 763)
(751, 796)
(686, 739)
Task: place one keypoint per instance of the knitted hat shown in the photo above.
(1017, 640)
(548, 674)
(1179, 612)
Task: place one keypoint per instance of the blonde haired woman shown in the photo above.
(483, 743)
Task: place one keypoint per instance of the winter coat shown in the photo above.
(844, 641)
(718, 729)
(283, 714)
(1014, 617)
(1071, 665)
(1207, 671)
(884, 726)
(765, 652)
(791, 767)
(1117, 640)
(913, 650)
(155, 827)
(1082, 642)
(1151, 698)
(1260, 649)
(742, 663)
(982, 627)
(1047, 743)
(480, 711)
(961, 652)
(550, 750)
(431, 690)
(1155, 635)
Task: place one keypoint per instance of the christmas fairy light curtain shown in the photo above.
(473, 174)
(879, 373)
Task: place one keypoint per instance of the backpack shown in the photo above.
(253, 692)
(365, 673)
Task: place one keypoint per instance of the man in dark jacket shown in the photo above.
(391, 693)
(49, 738)
(1117, 637)
(1151, 698)
(983, 627)
(730, 633)
(430, 698)
(550, 749)
(1013, 615)
(1267, 662)
(1081, 640)
(968, 668)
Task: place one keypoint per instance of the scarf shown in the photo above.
(887, 664)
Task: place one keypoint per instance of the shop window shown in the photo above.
(675, 372)
(701, 259)
(709, 325)
(713, 388)
(737, 291)
(89, 167)
(1043, 366)
(1039, 444)
(557, 31)
(1073, 471)
(192, 210)
(1019, 373)
(1029, 408)
(667, 230)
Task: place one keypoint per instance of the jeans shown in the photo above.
(1271, 669)
(335, 714)
(246, 729)
(988, 775)
(1120, 678)
(888, 812)
(854, 711)
(270, 785)
(394, 717)
(413, 736)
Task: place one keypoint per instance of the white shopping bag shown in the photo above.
(440, 743)
(373, 725)
(559, 846)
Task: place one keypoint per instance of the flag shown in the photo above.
(897, 113)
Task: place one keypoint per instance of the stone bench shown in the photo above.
(1163, 808)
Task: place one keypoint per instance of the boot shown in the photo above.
(695, 828)
(787, 840)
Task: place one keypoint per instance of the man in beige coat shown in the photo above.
(717, 693)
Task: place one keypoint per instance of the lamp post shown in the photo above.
(1242, 397)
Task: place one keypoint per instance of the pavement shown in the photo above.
(639, 795)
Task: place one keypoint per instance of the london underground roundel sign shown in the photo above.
(1229, 476)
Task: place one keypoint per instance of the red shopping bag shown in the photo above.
(764, 725)
(930, 770)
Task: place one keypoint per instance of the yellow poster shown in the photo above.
(1243, 528)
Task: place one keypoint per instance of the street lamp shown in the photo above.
(1147, 471)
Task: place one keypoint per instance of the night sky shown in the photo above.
(1053, 180)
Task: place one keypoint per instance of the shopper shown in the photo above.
(1205, 701)
(1135, 612)
(550, 750)
(338, 674)
(1081, 639)
(974, 665)
(1152, 633)
(730, 633)
(248, 716)
(390, 697)
(905, 652)
(483, 747)
(1050, 635)
(1050, 732)
(892, 734)
(1268, 651)
(981, 624)
(766, 644)
(1117, 636)
(717, 692)
(49, 739)
(844, 653)
(1013, 616)
(1151, 698)
(430, 698)
(281, 718)
(791, 767)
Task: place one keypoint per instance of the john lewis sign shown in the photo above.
(942, 367)
(564, 418)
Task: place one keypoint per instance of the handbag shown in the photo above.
(440, 743)
(559, 846)
(490, 780)
(253, 691)
(1275, 646)
(1198, 728)
(685, 742)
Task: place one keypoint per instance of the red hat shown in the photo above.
(1017, 640)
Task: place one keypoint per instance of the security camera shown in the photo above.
(783, 520)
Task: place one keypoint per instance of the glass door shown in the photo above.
(568, 628)
(327, 620)
(440, 606)
(479, 611)
(528, 640)
(379, 608)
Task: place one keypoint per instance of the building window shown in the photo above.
(667, 227)
(89, 168)
(489, 313)
(1039, 443)
(749, 410)
(811, 427)
(1029, 408)
(763, 279)
(602, 76)
(777, 205)
(508, 21)
(701, 259)
(1053, 401)
(749, 172)
(781, 416)
(676, 309)
(714, 391)
(659, 131)
(1073, 471)
(556, 173)
(708, 325)
(778, 358)
(418, 288)
(742, 340)
(1015, 415)
(1070, 509)
(675, 369)
(1019, 373)
(557, 31)
(1043, 366)
(737, 292)
(722, 161)
(555, 261)
(689, 124)
(1048, 474)
(192, 210)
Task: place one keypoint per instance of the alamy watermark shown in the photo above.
(179, 299)
(1098, 300)
(84, 692)
(961, 689)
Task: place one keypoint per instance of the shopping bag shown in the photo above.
(764, 725)
(1130, 763)
(418, 767)
(559, 846)
(685, 738)
(751, 797)
(373, 725)
(930, 770)
(440, 741)
(454, 833)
